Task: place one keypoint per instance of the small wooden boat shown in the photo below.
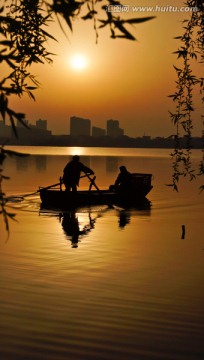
(60, 199)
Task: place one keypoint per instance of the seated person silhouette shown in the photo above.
(123, 182)
(72, 172)
(124, 219)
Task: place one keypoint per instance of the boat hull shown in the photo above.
(59, 199)
(65, 200)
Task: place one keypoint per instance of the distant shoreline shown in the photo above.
(102, 141)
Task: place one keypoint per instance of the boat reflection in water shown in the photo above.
(124, 218)
(76, 226)
(72, 227)
(124, 215)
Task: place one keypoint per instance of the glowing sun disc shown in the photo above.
(78, 62)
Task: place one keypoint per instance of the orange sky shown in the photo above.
(124, 80)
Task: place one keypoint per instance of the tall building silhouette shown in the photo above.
(80, 126)
(113, 128)
(41, 124)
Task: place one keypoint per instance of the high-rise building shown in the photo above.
(80, 126)
(113, 128)
(41, 124)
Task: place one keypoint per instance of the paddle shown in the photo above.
(92, 182)
(54, 185)
(49, 187)
(43, 188)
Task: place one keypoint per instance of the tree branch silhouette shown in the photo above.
(191, 50)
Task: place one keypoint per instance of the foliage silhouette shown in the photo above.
(190, 51)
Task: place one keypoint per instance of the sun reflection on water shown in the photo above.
(75, 150)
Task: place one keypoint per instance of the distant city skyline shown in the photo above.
(82, 127)
(76, 126)
(125, 80)
(82, 134)
(43, 125)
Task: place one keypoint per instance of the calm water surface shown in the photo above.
(127, 287)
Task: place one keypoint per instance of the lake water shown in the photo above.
(128, 288)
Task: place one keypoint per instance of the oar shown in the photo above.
(48, 187)
(54, 185)
(92, 181)
(42, 188)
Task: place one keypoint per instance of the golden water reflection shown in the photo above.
(78, 225)
(101, 283)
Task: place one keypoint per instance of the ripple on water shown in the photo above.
(123, 294)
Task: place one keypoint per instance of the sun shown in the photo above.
(78, 62)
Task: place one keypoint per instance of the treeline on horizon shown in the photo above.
(101, 141)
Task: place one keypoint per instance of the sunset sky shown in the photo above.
(117, 79)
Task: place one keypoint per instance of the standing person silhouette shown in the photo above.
(72, 172)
